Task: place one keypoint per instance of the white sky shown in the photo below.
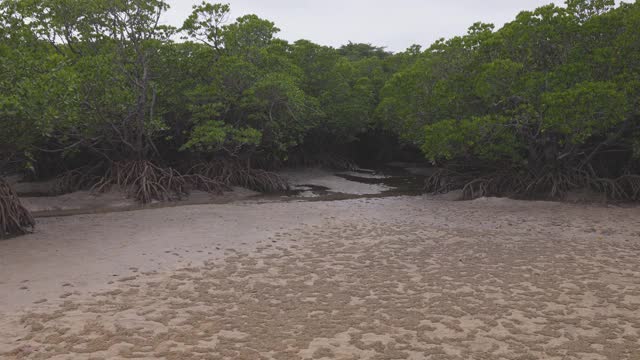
(396, 24)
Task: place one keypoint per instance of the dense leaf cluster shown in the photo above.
(556, 90)
(102, 79)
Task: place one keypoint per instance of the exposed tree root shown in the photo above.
(551, 183)
(143, 181)
(627, 187)
(445, 180)
(14, 218)
(83, 178)
(631, 186)
(234, 173)
(203, 183)
(558, 183)
(495, 184)
(146, 182)
(554, 183)
(264, 181)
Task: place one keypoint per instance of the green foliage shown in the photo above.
(216, 135)
(556, 87)
(585, 10)
(206, 23)
(586, 110)
(497, 79)
(486, 137)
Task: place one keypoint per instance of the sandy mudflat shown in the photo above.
(391, 278)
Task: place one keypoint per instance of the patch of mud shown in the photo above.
(310, 184)
(76, 201)
(32, 189)
(87, 202)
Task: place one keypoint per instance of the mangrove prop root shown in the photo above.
(445, 180)
(550, 183)
(14, 218)
(629, 186)
(79, 179)
(146, 182)
(203, 183)
(235, 173)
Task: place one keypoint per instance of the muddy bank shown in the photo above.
(307, 184)
(87, 202)
(402, 278)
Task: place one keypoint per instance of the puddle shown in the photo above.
(307, 190)
(399, 181)
(319, 185)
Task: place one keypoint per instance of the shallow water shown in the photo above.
(306, 185)
(379, 183)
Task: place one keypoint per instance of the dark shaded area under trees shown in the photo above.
(98, 93)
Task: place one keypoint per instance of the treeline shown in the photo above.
(102, 79)
(547, 104)
(99, 93)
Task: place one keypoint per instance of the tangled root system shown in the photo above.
(83, 178)
(550, 183)
(559, 182)
(492, 185)
(203, 183)
(146, 182)
(234, 173)
(263, 181)
(630, 186)
(445, 180)
(14, 218)
(626, 187)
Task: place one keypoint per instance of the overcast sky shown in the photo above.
(396, 24)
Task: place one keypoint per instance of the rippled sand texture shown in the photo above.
(453, 281)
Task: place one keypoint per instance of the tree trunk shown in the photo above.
(15, 219)
(141, 110)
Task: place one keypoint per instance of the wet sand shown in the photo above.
(388, 278)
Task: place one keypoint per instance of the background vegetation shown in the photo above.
(98, 93)
(546, 104)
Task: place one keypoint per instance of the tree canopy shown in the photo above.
(550, 99)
